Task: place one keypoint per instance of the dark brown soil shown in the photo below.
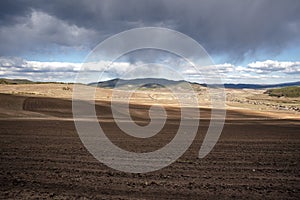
(255, 158)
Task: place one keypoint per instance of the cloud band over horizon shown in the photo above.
(254, 72)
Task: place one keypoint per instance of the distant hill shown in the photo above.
(160, 82)
(145, 82)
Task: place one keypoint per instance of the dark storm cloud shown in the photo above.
(232, 27)
(11, 11)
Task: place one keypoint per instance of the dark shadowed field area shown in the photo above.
(42, 157)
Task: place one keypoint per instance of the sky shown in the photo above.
(249, 41)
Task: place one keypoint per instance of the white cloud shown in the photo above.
(59, 71)
(222, 69)
(256, 72)
(270, 66)
(225, 68)
(38, 71)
